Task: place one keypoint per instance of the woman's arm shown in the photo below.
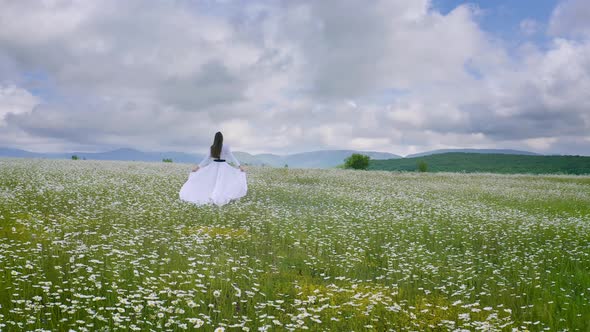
(206, 161)
(231, 158)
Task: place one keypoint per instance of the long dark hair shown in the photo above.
(217, 144)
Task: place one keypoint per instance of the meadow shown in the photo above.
(489, 163)
(108, 246)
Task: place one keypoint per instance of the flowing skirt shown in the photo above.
(217, 183)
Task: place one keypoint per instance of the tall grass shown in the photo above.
(108, 246)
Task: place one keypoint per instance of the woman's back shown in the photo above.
(225, 154)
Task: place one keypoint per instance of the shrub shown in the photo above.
(167, 160)
(75, 157)
(357, 161)
(422, 166)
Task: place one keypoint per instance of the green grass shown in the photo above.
(488, 163)
(90, 245)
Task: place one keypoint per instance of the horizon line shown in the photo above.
(526, 152)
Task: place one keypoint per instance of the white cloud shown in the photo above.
(14, 100)
(285, 77)
(351, 50)
(541, 143)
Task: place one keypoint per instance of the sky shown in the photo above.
(399, 76)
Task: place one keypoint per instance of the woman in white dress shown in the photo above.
(214, 180)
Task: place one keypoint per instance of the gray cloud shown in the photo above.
(571, 18)
(212, 85)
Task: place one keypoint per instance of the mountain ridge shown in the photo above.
(481, 151)
(312, 159)
(126, 154)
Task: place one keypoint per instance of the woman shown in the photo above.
(214, 180)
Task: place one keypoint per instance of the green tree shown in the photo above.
(357, 161)
(422, 166)
(75, 157)
(167, 160)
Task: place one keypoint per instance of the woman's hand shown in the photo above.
(241, 168)
(196, 168)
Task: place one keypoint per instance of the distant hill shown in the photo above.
(489, 163)
(136, 155)
(119, 154)
(16, 153)
(246, 158)
(483, 151)
(314, 159)
(265, 159)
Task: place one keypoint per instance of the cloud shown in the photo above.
(548, 96)
(350, 51)
(571, 18)
(396, 76)
(529, 26)
(126, 50)
(14, 100)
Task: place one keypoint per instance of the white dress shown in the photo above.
(215, 182)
